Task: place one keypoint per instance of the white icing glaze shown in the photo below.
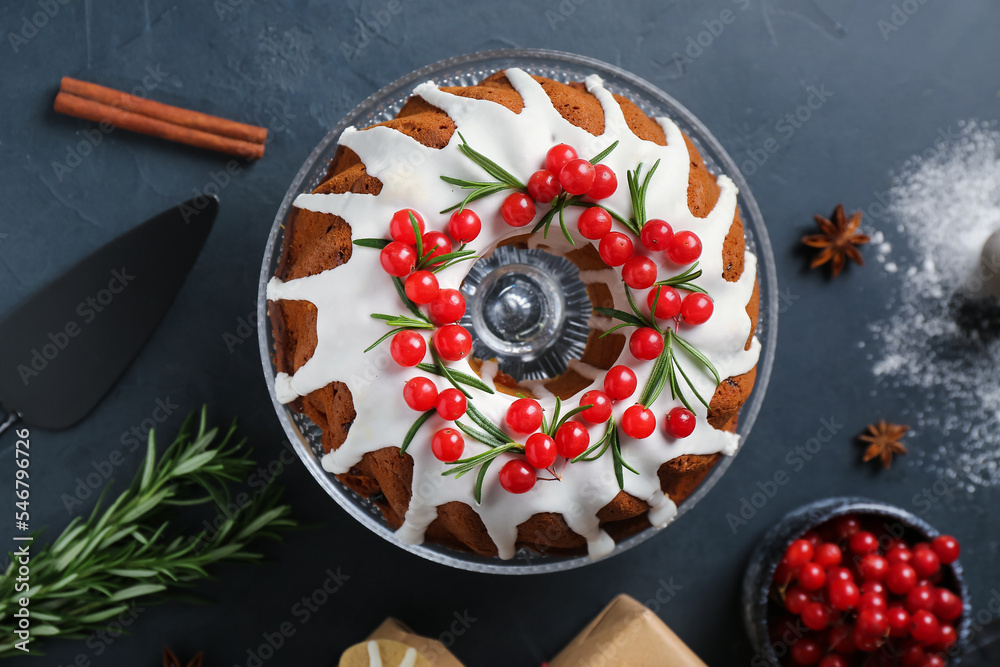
(410, 175)
(375, 656)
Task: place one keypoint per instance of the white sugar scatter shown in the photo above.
(943, 337)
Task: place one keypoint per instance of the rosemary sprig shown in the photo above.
(637, 192)
(378, 244)
(504, 179)
(458, 376)
(683, 280)
(601, 444)
(485, 459)
(416, 427)
(399, 323)
(100, 565)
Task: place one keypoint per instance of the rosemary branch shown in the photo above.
(99, 565)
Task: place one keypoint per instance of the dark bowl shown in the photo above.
(764, 561)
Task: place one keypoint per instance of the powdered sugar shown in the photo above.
(944, 334)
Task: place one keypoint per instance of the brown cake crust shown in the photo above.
(315, 242)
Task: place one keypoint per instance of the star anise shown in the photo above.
(170, 660)
(837, 241)
(885, 441)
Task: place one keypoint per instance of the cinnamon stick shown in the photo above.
(129, 112)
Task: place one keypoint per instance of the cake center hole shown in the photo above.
(529, 310)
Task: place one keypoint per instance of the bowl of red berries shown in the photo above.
(851, 582)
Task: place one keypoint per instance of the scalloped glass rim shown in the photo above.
(466, 70)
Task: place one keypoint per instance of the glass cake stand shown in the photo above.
(464, 71)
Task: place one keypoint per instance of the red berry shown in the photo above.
(435, 243)
(925, 562)
(920, 598)
(452, 342)
(594, 223)
(812, 576)
(815, 616)
(934, 660)
(517, 209)
(398, 259)
(601, 410)
(865, 642)
(451, 404)
(557, 156)
(679, 422)
(898, 554)
(656, 234)
(843, 595)
(846, 526)
(873, 567)
(638, 422)
(947, 605)
(872, 622)
(872, 601)
(421, 287)
(572, 439)
(401, 228)
(639, 272)
(517, 476)
(464, 225)
(813, 538)
(620, 382)
(899, 621)
(407, 348)
(912, 655)
(605, 182)
(924, 626)
(447, 307)
(615, 248)
(947, 636)
(447, 445)
(828, 555)
(420, 394)
(833, 660)
(796, 599)
(863, 543)
(577, 176)
(806, 652)
(696, 308)
(524, 415)
(540, 450)
(799, 553)
(543, 186)
(684, 248)
(838, 574)
(841, 639)
(872, 586)
(645, 343)
(946, 547)
(668, 302)
(901, 578)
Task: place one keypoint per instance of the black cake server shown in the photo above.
(63, 348)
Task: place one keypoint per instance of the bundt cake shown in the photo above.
(497, 410)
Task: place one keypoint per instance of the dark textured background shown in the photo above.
(293, 65)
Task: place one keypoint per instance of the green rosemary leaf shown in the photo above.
(571, 413)
(603, 443)
(488, 165)
(617, 459)
(546, 220)
(617, 449)
(603, 154)
(378, 244)
(485, 424)
(449, 259)
(614, 329)
(384, 337)
(406, 300)
(478, 435)
(549, 428)
(459, 376)
(467, 185)
(446, 373)
(654, 377)
(690, 384)
(628, 318)
(417, 235)
(699, 356)
(421, 420)
(635, 309)
(479, 481)
(562, 225)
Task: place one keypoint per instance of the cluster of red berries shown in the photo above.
(858, 594)
(445, 306)
(563, 171)
(637, 421)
